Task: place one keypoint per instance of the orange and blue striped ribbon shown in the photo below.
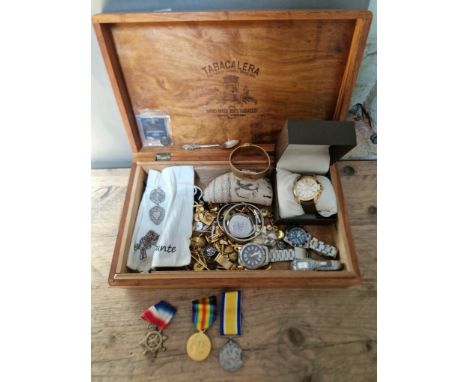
(204, 312)
(231, 314)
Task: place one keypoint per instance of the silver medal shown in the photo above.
(230, 356)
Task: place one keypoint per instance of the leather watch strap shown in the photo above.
(276, 255)
(309, 207)
(249, 174)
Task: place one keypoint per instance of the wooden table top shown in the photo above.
(326, 334)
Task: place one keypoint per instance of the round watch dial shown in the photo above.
(296, 236)
(306, 188)
(253, 256)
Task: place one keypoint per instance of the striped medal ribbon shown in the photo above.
(203, 315)
(231, 315)
(230, 356)
(204, 312)
(159, 315)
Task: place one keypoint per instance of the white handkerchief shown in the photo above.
(166, 209)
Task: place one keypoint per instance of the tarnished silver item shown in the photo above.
(158, 195)
(315, 265)
(145, 243)
(198, 226)
(154, 342)
(157, 213)
(240, 226)
(240, 218)
(230, 356)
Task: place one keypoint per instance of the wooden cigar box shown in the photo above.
(214, 76)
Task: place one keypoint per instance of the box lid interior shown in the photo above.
(230, 75)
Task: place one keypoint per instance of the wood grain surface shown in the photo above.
(231, 75)
(319, 335)
(337, 234)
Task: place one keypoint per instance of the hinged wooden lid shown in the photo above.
(231, 75)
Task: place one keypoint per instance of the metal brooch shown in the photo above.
(157, 213)
(146, 242)
(154, 341)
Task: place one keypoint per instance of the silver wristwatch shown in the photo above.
(315, 265)
(253, 256)
(299, 237)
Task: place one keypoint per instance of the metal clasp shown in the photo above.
(163, 156)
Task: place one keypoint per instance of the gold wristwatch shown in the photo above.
(306, 188)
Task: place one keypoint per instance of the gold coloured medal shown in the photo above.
(198, 346)
(203, 315)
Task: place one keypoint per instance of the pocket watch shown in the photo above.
(253, 256)
(299, 237)
(306, 188)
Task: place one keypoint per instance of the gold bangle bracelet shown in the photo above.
(249, 174)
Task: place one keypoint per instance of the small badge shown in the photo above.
(153, 341)
(159, 316)
(157, 213)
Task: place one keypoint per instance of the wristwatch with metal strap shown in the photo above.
(299, 237)
(275, 255)
(254, 256)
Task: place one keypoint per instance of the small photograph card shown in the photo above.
(154, 129)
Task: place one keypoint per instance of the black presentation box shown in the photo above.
(296, 135)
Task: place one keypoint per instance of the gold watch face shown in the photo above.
(306, 188)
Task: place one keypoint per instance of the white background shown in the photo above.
(44, 197)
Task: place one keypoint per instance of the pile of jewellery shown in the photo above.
(220, 230)
(238, 236)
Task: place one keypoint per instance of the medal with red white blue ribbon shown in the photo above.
(159, 316)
